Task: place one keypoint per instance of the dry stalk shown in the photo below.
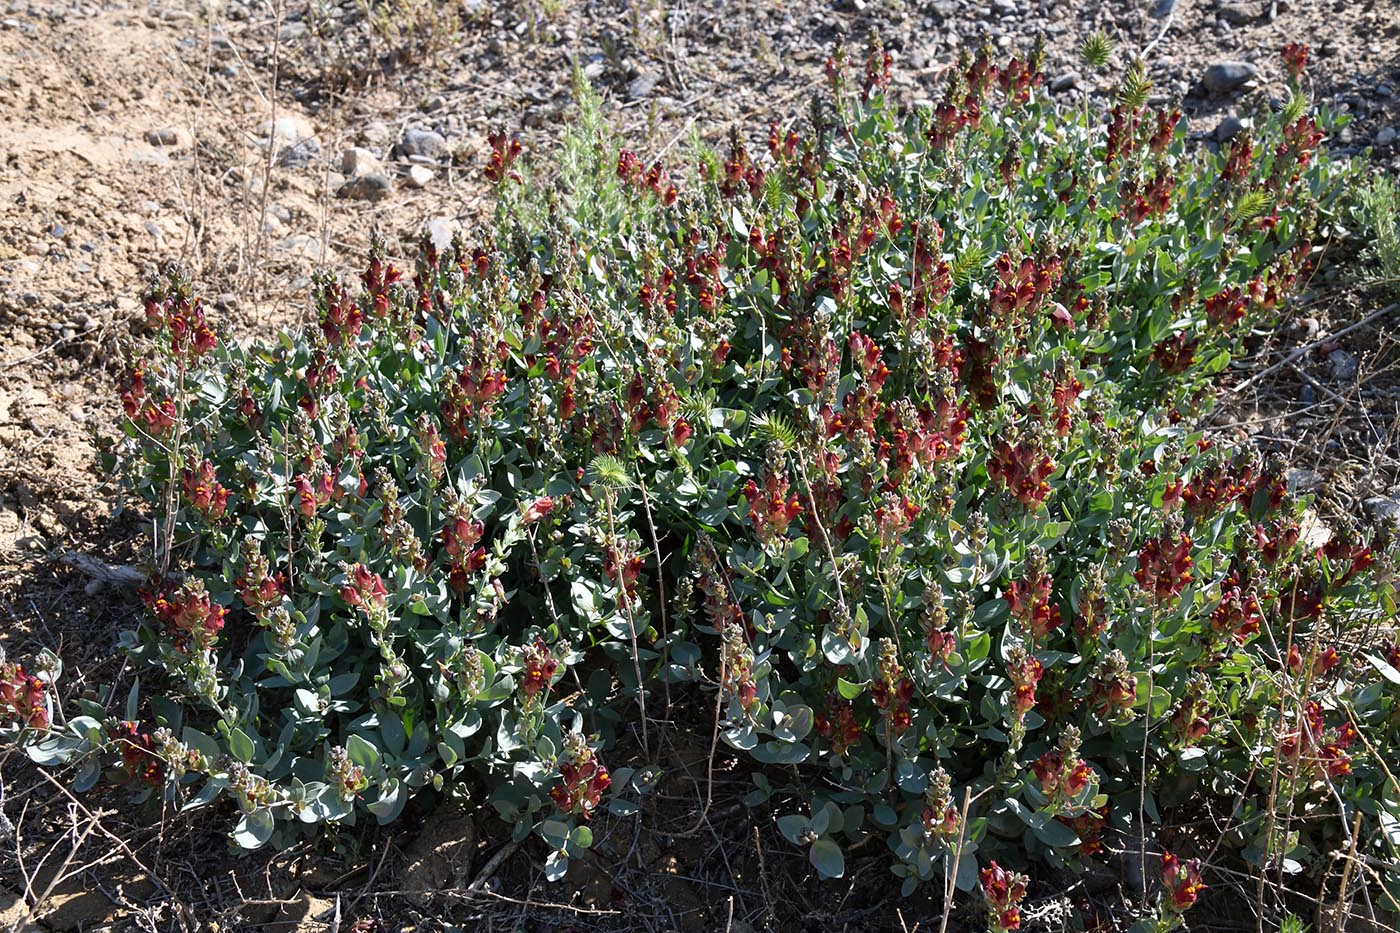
(950, 882)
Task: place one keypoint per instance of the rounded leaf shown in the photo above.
(827, 858)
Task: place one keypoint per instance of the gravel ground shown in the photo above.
(260, 142)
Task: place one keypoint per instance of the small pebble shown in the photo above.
(170, 136)
(1229, 127)
(426, 143)
(372, 187)
(1223, 77)
(1343, 365)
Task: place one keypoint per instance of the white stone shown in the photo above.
(357, 161)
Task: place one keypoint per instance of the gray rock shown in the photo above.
(1383, 509)
(594, 70)
(1162, 9)
(377, 136)
(1229, 127)
(372, 187)
(302, 246)
(173, 137)
(1065, 82)
(1342, 365)
(299, 154)
(1239, 14)
(291, 32)
(425, 143)
(357, 161)
(1223, 77)
(640, 87)
(1302, 481)
(420, 176)
(1387, 136)
(289, 129)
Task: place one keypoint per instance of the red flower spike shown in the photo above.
(582, 780)
(1295, 59)
(139, 758)
(1165, 567)
(540, 666)
(22, 695)
(1004, 891)
(203, 492)
(1182, 881)
(1023, 470)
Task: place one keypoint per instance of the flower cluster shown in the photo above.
(891, 690)
(1025, 671)
(1314, 745)
(1182, 884)
(203, 492)
(1295, 58)
(654, 179)
(344, 775)
(540, 666)
(504, 151)
(189, 613)
(364, 589)
(1112, 690)
(582, 779)
(771, 508)
(1004, 890)
(463, 553)
(1164, 566)
(1029, 599)
(1024, 469)
(940, 815)
(622, 566)
(1066, 780)
(737, 661)
(179, 316)
(22, 696)
(139, 754)
(839, 726)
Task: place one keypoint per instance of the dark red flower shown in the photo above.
(1183, 882)
(22, 694)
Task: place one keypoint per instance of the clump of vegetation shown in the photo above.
(349, 47)
(880, 448)
(1378, 203)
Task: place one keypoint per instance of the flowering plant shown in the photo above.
(890, 437)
